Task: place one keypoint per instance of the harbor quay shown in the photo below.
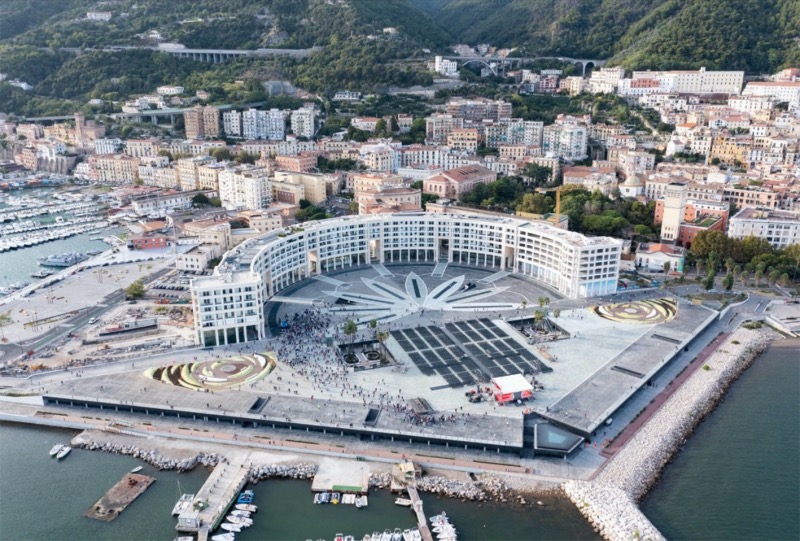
(295, 389)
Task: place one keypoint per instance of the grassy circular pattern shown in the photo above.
(217, 375)
(647, 312)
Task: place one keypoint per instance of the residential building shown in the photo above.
(463, 139)
(189, 171)
(197, 259)
(107, 146)
(784, 91)
(453, 183)
(229, 306)
(399, 199)
(113, 168)
(443, 66)
(302, 121)
(438, 126)
(698, 82)
(263, 124)
(244, 187)
(303, 162)
(603, 179)
(652, 257)
(142, 148)
(697, 216)
(567, 139)
(779, 228)
(232, 123)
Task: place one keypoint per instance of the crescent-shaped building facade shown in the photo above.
(229, 305)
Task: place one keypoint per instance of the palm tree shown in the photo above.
(5, 319)
(538, 319)
(381, 337)
(350, 329)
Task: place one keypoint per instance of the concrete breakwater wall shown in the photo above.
(304, 470)
(608, 501)
(488, 488)
(637, 466)
(151, 456)
(612, 513)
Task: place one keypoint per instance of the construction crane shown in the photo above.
(558, 201)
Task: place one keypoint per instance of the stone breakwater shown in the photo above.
(637, 466)
(612, 513)
(608, 501)
(487, 488)
(151, 456)
(304, 470)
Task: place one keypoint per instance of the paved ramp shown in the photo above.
(383, 271)
(438, 270)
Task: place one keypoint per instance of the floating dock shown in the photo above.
(119, 497)
(216, 496)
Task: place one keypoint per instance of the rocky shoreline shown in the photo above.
(304, 470)
(486, 489)
(638, 465)
(151, 456)
(609, 501)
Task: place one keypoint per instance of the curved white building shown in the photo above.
(229, 305)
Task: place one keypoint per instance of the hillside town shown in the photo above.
(724, 157)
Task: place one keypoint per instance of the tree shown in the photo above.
(200, 199)
(667, 267)
(135, 290)
(5, 320)
(373, 324)
(535, 204)
(381, 337)
(708, 282)
(557, 313)
(710, 241)
(350, 329)
(727, 282)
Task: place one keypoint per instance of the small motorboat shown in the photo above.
(349, 538)
(228, 536)
(415, 535)
(387, 536)
(405, 502)
(231, 527)
(240, 513)
(335, 497)
(56, 448)
(397, 535)
(359, 503)
(375, 536)
(317, 498)
(137, 469)
(63, 452)
(338, 537)
(250, 508)
(241, 521)
(407, 535)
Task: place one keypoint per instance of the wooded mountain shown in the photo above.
(39, 40)
(758, 36)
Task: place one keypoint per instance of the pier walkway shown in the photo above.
(216, 495)
(416, 505)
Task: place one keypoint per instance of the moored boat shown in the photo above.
(63, 452)
(136, 469)
(231, 527)
(241, 521)
(397, 535)
(56, 448)
(405, 502)
(184, 502)
(240, 513)
(228, 536)
(250, 508)
(335, 497)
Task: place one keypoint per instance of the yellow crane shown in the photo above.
(558, 201)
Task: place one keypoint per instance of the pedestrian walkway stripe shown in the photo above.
(383, 271)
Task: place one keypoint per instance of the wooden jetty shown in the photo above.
(118, 497)
(422, 523)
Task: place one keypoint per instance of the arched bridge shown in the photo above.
(583, 63)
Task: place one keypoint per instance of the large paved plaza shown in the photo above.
(448, 330)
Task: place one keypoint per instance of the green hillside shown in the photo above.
(754, 35)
